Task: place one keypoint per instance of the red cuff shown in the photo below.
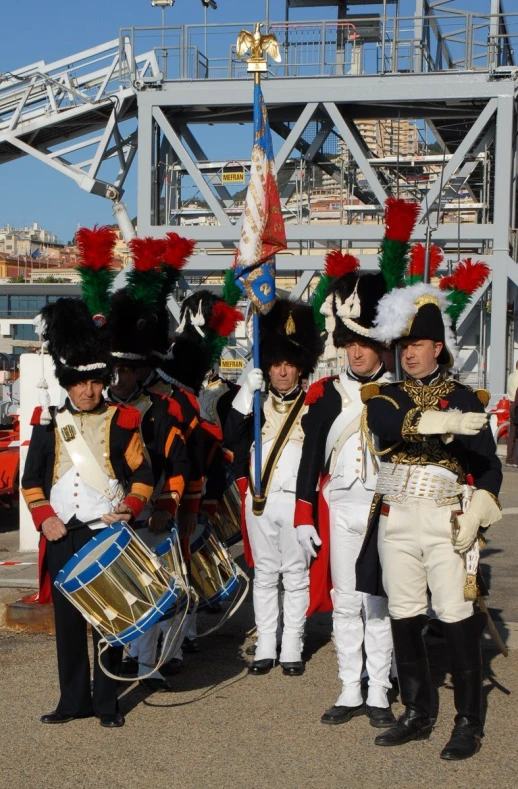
(40, 514)
(169, 504)
(303, 513)
(242, 486)
(135, 504)
(191, 504)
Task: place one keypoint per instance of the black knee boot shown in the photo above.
(414, 683)
(463, 640)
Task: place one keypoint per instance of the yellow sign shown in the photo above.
(231, 364)
(233, 177)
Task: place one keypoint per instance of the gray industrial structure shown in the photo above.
(452, 73)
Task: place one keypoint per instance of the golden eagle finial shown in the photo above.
(257, 44)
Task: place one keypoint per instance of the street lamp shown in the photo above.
(207, 4)
(163, 4)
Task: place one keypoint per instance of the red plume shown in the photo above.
(417, 254)
(400, 219)
(177, 250)
(338, 263)
(148, 253)
(224, 319)
(96, 247)
(467, 276)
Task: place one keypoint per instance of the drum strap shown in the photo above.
(83, 458)
(276, 449)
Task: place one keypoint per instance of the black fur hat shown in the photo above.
(186, 362)
(79, 349)
(288, 333)
(355, 299)
(130, 329)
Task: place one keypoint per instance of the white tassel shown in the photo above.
(327, 306)
(351, 307)
(198, 320)
(183, 322)
(44, 401)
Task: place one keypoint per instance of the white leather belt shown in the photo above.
(397, 482)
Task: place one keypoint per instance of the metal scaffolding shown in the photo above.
(449, 73)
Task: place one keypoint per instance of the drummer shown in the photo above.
(162, 432)
(206, 322)
(68, 498)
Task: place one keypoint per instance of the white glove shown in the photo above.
(244, 399)
(306, 536)
(482, 511)
(442, 422)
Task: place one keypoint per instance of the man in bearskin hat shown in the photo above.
(162, 431)
(290, 348)
(69, 500)
(433, 441)
(336, 460)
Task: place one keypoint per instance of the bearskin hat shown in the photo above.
(79, 348)
(130, 329)
(288, 333)
(206, 322)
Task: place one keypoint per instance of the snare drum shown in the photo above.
(120, 586)
(214, 576)
(170, 553)
(227, 521)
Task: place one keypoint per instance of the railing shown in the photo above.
(461, 41)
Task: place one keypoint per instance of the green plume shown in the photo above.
(231, 291)
(318, 298)
(393, 261)
(95, 288)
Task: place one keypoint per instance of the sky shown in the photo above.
(48, 30)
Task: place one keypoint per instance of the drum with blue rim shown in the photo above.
(214, 575)
(120, 585)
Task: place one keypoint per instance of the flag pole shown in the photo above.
(258, 466)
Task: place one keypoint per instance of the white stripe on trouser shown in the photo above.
(277, 553)
(349, 512)
(415, 550)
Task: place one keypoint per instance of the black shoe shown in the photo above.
(338, 714)
(408, 727)
(463, 743)
(190, 645)
(380, 717)
(261, 666)
(156, 685)
(293, 669)
(129, 666)
(172, 667)
(114, 721)
(59, 717)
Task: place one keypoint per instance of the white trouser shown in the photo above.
(277, 553)
(349, 512)
(415, 550)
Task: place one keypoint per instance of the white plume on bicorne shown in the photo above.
(351, 307)
(397, 309)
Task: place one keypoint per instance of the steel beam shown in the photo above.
(190, 165)
(504, 182)
(458, 157)
(344, 129)
(295, 134)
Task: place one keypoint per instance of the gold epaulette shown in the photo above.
(484, 396)
(369, 390)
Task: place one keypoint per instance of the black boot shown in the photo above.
(414, 683)
(463, 641)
